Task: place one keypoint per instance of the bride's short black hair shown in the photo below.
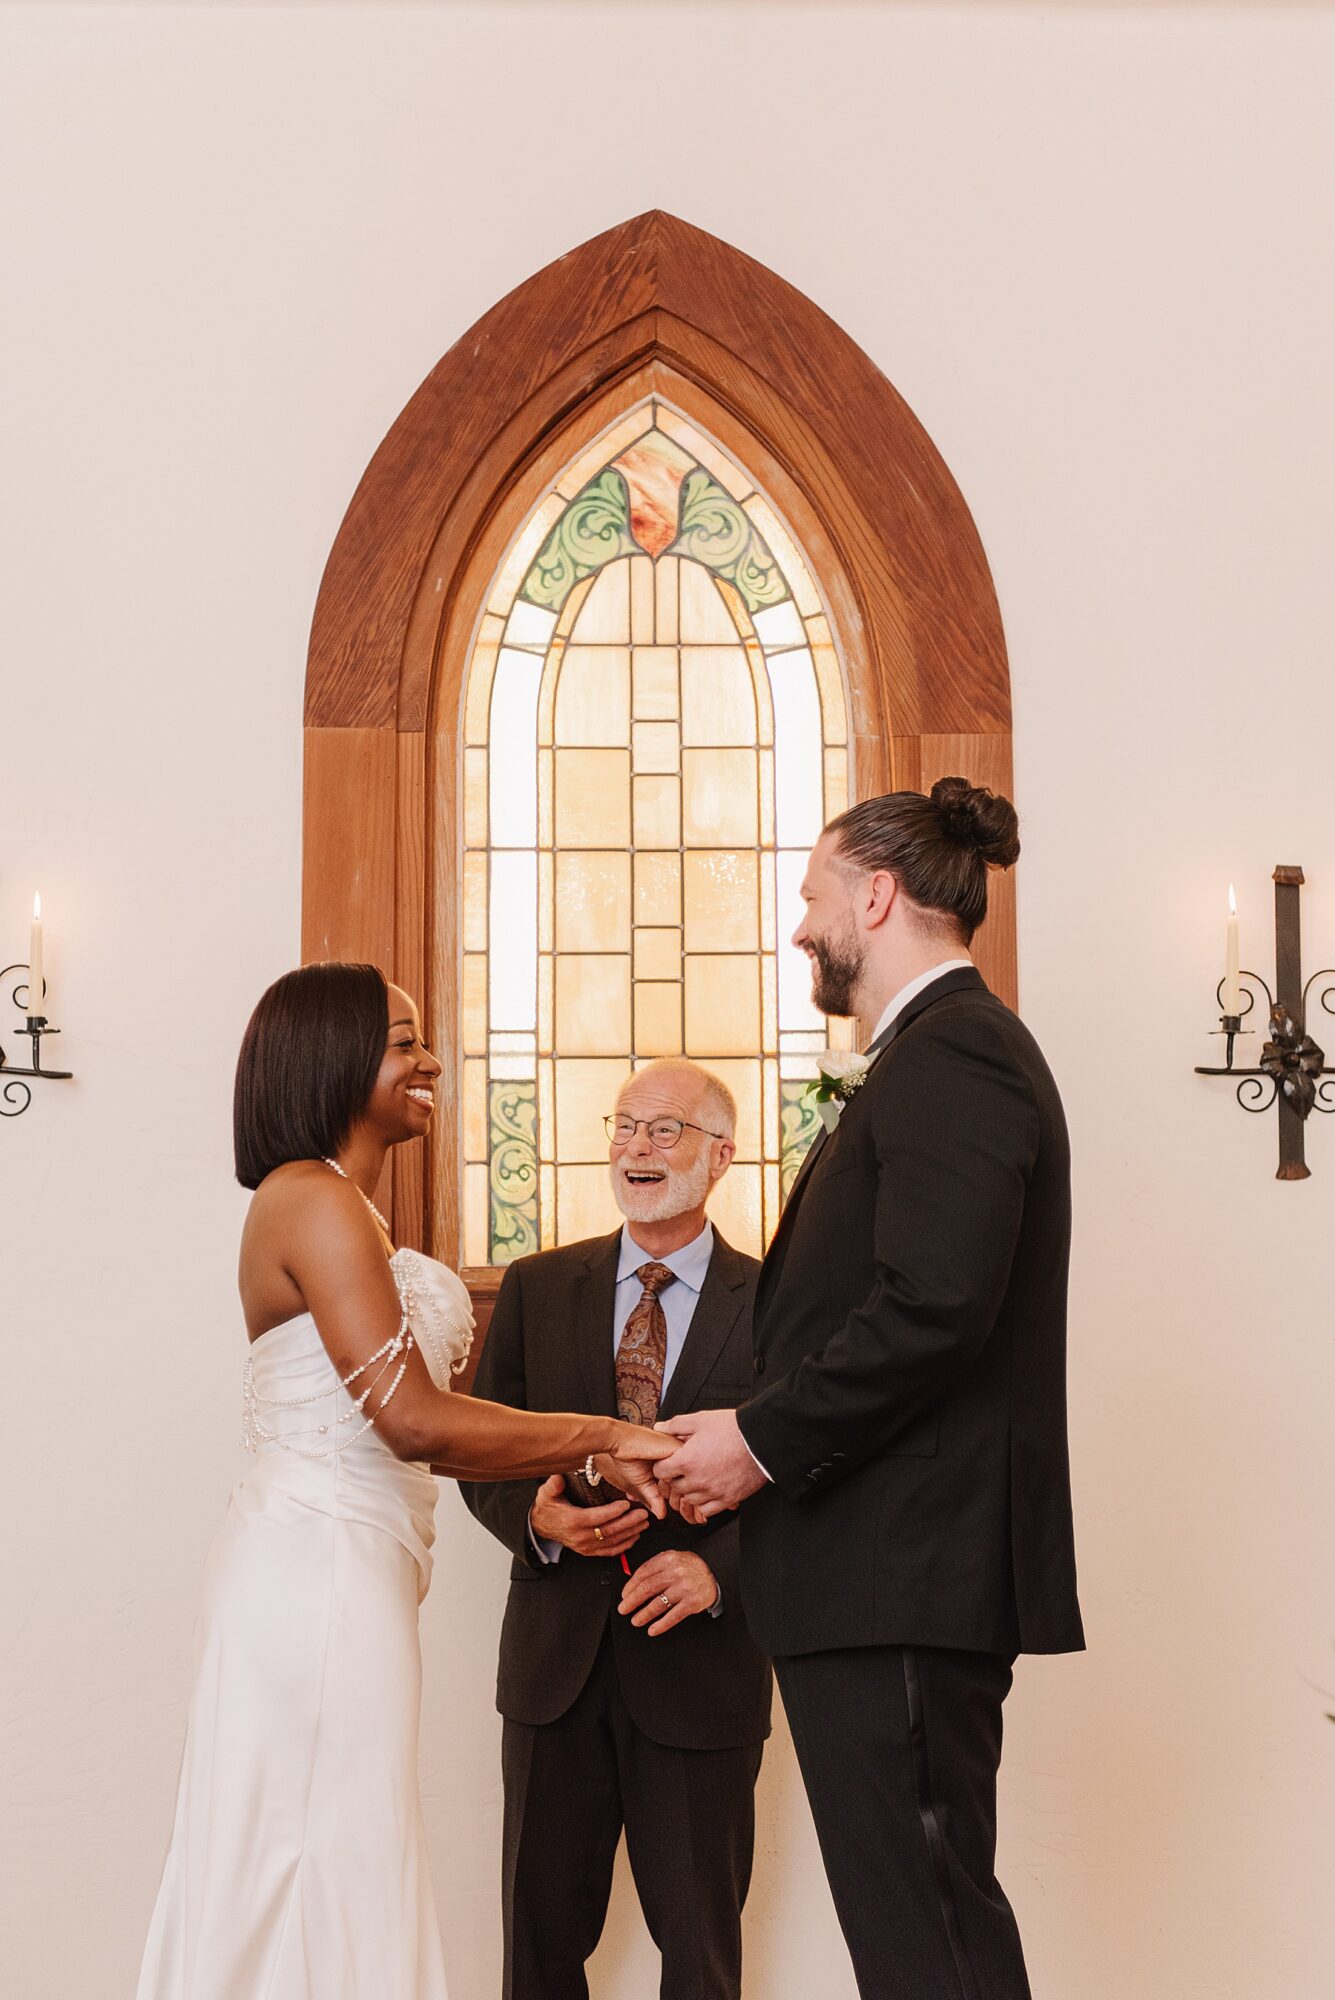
(308, 1064)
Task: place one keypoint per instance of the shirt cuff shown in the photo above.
(546, 1552)
(716, 1608)
(754, 1460)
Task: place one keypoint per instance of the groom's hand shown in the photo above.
(713, 1469)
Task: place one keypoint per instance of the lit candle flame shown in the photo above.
(1232, 902)
(37, 906)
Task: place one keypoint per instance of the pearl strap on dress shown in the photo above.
(254, 1430)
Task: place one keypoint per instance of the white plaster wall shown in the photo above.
(1091, 246)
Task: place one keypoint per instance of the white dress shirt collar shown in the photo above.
(689, 1264)
(914, 988)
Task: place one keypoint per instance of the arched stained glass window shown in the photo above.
(655, 729)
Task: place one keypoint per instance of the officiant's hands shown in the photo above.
(671, 1586)
(712, 1470)
(585, 1531)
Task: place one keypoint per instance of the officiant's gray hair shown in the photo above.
(938, 847)
(720, 1104)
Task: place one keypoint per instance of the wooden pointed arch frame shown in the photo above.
(654, 306)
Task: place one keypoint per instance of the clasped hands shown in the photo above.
(709, 1471)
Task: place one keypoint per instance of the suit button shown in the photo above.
(759, 1364)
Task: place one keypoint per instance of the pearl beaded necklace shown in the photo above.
(344, 1176)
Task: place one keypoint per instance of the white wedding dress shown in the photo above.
(297, 1868)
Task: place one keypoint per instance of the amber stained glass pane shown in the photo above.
(592, 1004)
(592, 901)
(657, 1018)
(477, 1215)
(657, 812)
(722, 1005)
(657, 954)
(474, 1003)
(585, 1204)
(654, 675)
(475, 1109)
(593, 695)
(586, 1090)
(665, 600)
(720, 807)
(735, 1209)
(658, 889)
(703, 616)
(604, 617)
(743, 1080)
(592, 798)
(722, 899)
(718, 703)
(656, 746)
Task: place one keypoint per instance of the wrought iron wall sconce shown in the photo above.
(1292, 1072)
(15, 1093)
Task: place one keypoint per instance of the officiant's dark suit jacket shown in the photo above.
(910, 1356)
(704, 1685)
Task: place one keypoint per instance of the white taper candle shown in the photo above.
(1232, 984)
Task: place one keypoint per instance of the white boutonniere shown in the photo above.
(842, 1072)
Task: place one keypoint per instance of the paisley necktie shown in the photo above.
(643, 1350)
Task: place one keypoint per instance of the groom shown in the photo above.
(907, 1442)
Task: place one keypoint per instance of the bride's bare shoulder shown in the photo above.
(302, 1196)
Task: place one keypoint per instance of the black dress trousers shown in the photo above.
(899, 1748)
(689, 1817)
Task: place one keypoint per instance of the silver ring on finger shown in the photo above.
(665, 1599)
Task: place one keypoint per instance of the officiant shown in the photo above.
(631, 1691)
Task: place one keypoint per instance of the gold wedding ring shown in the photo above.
(665, 1599)
(597, 1534)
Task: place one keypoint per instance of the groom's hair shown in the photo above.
(938, 847)
(308, 1064)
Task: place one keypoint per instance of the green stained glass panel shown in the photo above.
(513, 1172)
(593, 530)
(714, 530)
(798, 1126)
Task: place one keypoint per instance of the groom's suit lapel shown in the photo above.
(964, 979)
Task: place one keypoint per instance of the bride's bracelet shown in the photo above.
(594, 1478)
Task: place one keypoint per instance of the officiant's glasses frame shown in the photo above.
(663, 1132)
(1292, 1064)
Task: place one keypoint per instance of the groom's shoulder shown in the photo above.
(976, 1026)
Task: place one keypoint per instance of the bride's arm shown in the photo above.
(334, 1254)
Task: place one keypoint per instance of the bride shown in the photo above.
(297, 1868)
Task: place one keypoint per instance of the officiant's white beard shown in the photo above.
(680, 1189)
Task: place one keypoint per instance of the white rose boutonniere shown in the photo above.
(842, 1072)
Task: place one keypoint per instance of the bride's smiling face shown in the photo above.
(404, 1095)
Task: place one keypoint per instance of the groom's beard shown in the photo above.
(837, 972)
(680, 1189)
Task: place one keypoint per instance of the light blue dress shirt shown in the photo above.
(688, 1266)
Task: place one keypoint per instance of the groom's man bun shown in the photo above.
(938, 847)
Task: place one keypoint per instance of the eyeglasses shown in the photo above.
(663, 1132)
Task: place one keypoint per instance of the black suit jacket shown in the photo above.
(704, 1685)
(911, 1344)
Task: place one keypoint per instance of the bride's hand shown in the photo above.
(630, 1463)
